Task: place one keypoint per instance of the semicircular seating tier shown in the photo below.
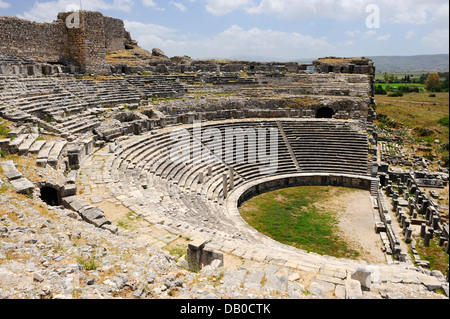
(175, 196)
(302, 147)
(191, 191)
(71, 103)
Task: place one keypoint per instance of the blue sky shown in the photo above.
(266, 29)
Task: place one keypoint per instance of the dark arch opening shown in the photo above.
(324, 113)
(50, 196)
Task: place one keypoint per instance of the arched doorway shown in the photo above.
(324, 113)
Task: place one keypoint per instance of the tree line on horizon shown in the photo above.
(433, 82)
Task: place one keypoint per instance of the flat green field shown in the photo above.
(397, 85)
(413, 75)
(424, 116)
(297, 217)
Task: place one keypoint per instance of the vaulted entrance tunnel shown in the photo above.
(50, 196)
(324, 113)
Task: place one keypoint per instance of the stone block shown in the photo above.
(353, 289)
(209, 256)
(197, 244)
(364, 276)
(320, 288)
(77, 204)
(194, 259)
(432, 283)
(4, 144)
(90, 213)
(36, 147)
(10, 170)
(22, 186)
(69, 190)
(112, 228)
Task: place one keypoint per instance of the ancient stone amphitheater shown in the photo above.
(100, 143)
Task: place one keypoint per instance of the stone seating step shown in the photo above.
(27, 143)
(37, 146)
(10, 170)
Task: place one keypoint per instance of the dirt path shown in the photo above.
(356, 222)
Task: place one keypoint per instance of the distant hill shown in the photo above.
(417, 63)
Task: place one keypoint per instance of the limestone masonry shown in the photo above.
(83, 47)
(93, 205)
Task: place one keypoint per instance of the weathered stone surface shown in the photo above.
(321, 288)
(159, 53)
(53, 41)
(22, 186)
(10, 170)
(353, 288)
(90, 213)
(395, 295)
(364, 276)
(432, 283)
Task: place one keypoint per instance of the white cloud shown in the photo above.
(415, 12)
(369, 34)
(122, 5)
(221, 7)
(4, 5)
(438, 39)
(179, 6)
(352, 33)
(149, 3)
(347, 43)
(384, 37)
(48, 11)
(410, 34)
(341, 10)
(141, 30)
(234, 41)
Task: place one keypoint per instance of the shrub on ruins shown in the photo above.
(380, 90)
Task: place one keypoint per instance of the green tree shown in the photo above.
(432, 81)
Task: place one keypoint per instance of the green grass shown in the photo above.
(129, 221)
(290, 216)
(176, 251)
(444, 121)
(420, 112)
(434, 254)
(4, 131)
(88, 264)
(397, 85)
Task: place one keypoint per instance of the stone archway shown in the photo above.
(325, 113)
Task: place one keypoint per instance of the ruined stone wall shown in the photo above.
(85, 45)
(344, 65)
(42, 42)
(115, 34)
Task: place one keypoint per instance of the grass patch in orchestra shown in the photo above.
(292, 217)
